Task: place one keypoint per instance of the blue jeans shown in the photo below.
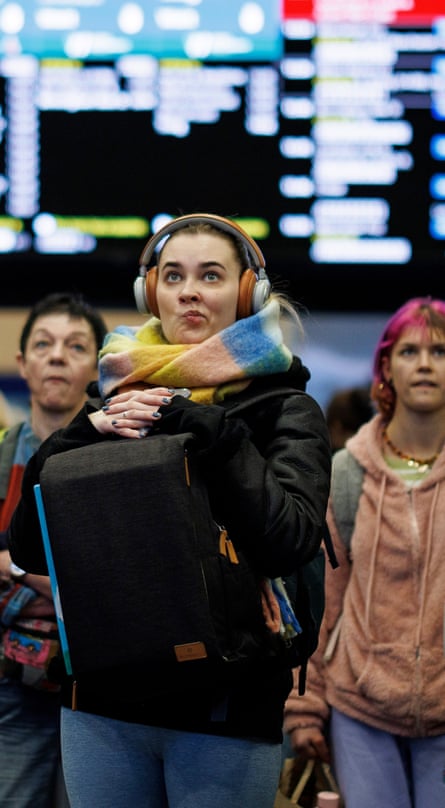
(29, 747)
(112, 763)
(374, 768)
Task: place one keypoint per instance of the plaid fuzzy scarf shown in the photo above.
(223, 364)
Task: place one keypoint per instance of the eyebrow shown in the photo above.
(202, 264)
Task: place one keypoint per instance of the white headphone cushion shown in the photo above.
(139, 295)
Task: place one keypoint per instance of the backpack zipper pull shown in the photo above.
(186, 469)
(226, 547)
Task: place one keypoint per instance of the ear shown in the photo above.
(386, 369)
(20, 359)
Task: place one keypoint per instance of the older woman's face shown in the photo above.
(198, 284)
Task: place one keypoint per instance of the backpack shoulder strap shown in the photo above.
(8, 443)
(346, 487)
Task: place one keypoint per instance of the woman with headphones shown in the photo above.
(212, 343)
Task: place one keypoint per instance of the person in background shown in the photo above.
(375, 691)
(216, 331)
(346, 411)
(59, 344)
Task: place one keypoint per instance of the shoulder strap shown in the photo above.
(8, 442)
(346, 486)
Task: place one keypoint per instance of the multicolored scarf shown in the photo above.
(223, 364)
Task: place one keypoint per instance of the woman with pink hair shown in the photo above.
(374, 704)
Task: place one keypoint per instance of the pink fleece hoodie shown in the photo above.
(387, 666)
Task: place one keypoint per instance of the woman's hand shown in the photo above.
(133, 413)
(310, 743)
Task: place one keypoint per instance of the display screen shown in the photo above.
(319, 126)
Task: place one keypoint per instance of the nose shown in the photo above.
(189, 290)
(57, 353)
(425, 358)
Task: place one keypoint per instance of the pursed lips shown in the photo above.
(192, 314)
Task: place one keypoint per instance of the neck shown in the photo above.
(44, 422)
(416, 454)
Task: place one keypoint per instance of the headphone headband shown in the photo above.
(219, 222)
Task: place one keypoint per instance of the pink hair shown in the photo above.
(423, 312)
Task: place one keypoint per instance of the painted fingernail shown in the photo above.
(166, 400)
(156, 415)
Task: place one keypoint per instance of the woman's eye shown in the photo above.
(173, 277)
(407, 351)
(211, 275)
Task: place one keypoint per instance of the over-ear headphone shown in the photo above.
(254, 288)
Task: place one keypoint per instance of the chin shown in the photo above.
(190, 336)
(194, 339)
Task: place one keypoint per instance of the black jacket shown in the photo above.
(268, 461)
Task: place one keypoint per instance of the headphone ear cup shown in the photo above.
(246, 289)
(151, 282)
(144, 289)
(253, 293)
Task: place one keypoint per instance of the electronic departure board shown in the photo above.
(320, 126)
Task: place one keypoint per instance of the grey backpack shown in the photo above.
(346, 487)
(145, 576)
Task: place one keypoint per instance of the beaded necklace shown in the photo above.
(413, 462)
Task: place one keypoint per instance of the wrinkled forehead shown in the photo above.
(62, 324)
